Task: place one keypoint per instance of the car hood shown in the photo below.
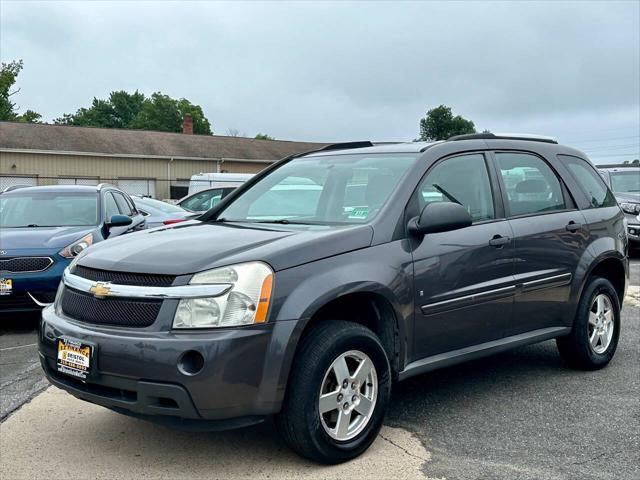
(628, 197)
(40, 237)
(194, 246)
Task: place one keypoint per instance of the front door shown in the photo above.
(549, 237)
(463, 279)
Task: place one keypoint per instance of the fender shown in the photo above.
(603, 248)
(307, 288)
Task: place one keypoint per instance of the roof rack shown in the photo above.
(504, 136)
(346, 146)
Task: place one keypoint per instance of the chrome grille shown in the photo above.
(124, 278)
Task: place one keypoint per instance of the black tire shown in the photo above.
(299, 421)
(575, 348)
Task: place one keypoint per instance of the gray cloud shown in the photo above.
(342, 71)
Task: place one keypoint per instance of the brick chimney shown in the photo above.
(187, 124)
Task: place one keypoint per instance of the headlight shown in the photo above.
(633, 208)
(76, 247)
(247, 302)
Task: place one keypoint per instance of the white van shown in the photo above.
(203, 181)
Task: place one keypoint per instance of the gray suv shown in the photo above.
(367, 265)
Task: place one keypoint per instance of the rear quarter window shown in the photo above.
(591, 183)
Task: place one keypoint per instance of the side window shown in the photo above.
(110, 206)
(132, 205)
(531, 186)
(123, 205)
(590, 182)
(463, 180)
(204, 200)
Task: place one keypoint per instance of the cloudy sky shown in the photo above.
(345, 71)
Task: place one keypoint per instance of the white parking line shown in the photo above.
(19, 346)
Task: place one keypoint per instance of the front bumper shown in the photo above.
(633, 228)
(136, 370)
(41, 285)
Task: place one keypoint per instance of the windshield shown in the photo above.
(48, 209)
(322, 190)
(625, 182)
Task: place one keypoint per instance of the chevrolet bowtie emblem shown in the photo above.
(100, 290)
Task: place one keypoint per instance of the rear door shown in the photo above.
(549, 238)
(463, 279)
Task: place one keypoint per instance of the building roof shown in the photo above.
(45, 138)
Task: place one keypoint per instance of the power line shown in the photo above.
(603, 139)
(617, 155)
(586, 132)
(611, 147)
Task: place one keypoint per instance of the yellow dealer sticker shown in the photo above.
(6, 286)
(74, 357)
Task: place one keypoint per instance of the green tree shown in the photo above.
(161, 113)
(8, 74)
(440, 124)
(263, 136)
(135, 111)
(29, 117)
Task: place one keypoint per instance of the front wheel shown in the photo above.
(337, 393)
(596, 328)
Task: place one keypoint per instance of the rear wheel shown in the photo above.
(594, 337)
(337, 393)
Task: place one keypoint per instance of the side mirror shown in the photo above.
(440, 217)
(118, 221)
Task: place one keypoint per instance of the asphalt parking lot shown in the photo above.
(518, 415)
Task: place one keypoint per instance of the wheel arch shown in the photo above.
(613, 267)
(364, 304)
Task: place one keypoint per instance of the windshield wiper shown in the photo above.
(284, 221)
(279, 221)
(31, 225)
(446, 194)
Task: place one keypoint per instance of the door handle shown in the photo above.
(573, 226)
(498, 241)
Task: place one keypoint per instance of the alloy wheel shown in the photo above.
(601, 324)
(348, 395)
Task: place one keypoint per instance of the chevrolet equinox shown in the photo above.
(310, 289)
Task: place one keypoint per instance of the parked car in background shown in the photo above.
(158, 213)
(203, 200)
(43, 228)
(204, 181)
(14, 187)
(624, 182)
(394, 260)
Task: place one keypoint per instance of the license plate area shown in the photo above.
(75, 357)
(6, 286)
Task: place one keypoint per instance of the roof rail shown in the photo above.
(100, 186)
(504, 136)
(329, 147)
(346, 146)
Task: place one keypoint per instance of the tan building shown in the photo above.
(150, 163)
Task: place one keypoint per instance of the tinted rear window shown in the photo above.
(590, 181)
